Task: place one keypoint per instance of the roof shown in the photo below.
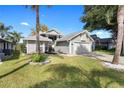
(106, 40)
(50, 32)
(4, 40)
(41, 38)
(95, 37)
(72, 35)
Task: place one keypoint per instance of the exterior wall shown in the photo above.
(31, 47)
(6, 48)
(82, 37)
(111, 46)
(62, 47)
(1, 46)
(2, 55)
(69, 47)
(82, 42)
(81, 48)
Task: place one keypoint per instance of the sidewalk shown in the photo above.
(107, 57)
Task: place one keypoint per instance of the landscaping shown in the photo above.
(63, 71)
(110, 52)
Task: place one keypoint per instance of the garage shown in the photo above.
(75, 43)
(81, 48)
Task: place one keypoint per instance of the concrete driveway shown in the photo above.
(104, 57)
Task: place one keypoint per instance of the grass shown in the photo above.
(110, 52)
(63, 72)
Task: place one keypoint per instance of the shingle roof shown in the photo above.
(72, 35)
(41, 38)
(105, 40)
(4, 40)
(49, 32)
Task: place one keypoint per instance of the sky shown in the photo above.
(65, 18)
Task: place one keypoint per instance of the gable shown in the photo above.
(82, 37)
(77, 35)
(53, 32)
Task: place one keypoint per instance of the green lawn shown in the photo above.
(110, 52)
(63, 71)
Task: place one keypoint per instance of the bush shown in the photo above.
(100, 47)
(38, 58)
(21, 47)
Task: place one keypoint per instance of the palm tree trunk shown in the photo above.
(37, 30)
(120, 20)
(122, 52)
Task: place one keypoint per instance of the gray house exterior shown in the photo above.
(75, 43)
(31, 43)
(6, 48)
(47, 39)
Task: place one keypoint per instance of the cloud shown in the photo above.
(99, 33)
(24, 23)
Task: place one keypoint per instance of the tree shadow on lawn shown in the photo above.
(14, 70)
(58, 56)
(72, 77)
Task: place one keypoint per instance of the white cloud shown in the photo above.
(99, 33)
(24, 23)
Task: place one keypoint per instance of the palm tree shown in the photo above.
(36, 8)
(4, 30)
(44, 28)
(14, 37)
(33, 32)
(120, 34)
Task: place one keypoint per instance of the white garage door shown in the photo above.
(81, 48)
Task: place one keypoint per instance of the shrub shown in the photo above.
(100, 47)
(38, 58)
(21, 47)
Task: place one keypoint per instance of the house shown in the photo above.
(96, 39)
(104, 43)
(53, 34)
(75, 43)
(108, 43)
(47, 39)
(6, 48)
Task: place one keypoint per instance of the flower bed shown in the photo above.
(39, 59)
(39, 63)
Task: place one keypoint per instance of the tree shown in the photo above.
(4, 30)
(36, 8)
(33, 32)
(100, 17)
(14, 37)
(44, 28)
(120, 20)
(103, 17)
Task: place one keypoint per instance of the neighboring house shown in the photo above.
(6, 48)
(75, 43)
(107, 43)
(96, 39)
(47, 39)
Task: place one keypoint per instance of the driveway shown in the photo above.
(104, 57)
